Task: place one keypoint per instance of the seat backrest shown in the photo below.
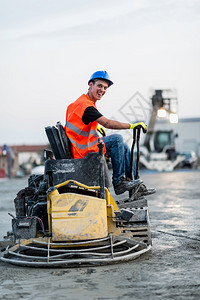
(58, 141)
(66, 144)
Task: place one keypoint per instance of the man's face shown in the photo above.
(98, 89)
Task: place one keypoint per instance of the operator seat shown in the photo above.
(64, 167)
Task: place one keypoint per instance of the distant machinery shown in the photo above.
(159, 151)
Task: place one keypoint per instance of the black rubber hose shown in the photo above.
(138, 154)
(132, 151)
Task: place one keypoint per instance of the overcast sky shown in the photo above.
(49, 49)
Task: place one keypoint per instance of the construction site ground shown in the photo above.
(170, 271)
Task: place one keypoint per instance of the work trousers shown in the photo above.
(120, 155)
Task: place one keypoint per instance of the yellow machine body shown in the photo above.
(76, 217)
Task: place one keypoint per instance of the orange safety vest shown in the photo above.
(83, 138)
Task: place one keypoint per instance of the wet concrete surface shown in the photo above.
(170, 271)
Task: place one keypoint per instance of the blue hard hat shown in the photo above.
(101, 75)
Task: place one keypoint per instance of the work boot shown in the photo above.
(126, 185)
(142, 190)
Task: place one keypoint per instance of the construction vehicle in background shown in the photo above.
(158, 151)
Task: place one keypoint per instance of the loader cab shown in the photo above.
(163, 139)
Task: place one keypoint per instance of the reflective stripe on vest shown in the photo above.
(83, 147)
(81, 132)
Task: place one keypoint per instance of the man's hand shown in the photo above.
(101, 130)
(139, 125)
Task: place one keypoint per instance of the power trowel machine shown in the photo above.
(67, 217)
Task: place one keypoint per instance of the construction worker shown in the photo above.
(82, 119)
